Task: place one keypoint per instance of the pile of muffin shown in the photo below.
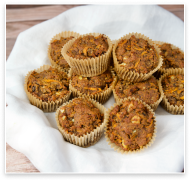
(88, 68)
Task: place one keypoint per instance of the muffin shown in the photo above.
(130, 126)
(172, 56)
(135, 57)
(55, 46)
(88, 55)
(172, 86)
(97, 87)
(81, 121)
(47, 88)
(148, 91)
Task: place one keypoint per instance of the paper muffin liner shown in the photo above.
(87, 139)
(165, 103)
(44, 106)
(133, 76)
(100, 97)
(153, 106)
(91, 66)
(64, 34)
(113, 145)
(161, 71)
(111, 63)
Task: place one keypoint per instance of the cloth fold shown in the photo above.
(35, 133)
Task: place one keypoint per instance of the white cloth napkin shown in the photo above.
(35, 134)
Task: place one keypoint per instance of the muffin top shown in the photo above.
(147, 91)
(136, 54)
(130, 126)
(92, 85)
(88, 47)
(48, 85)
(173, 88)
(80, 117)
(172, 58)
(55, 53)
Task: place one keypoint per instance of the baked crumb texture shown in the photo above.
(130, 126)
(89, 54)
(136, 54)
(81, 121)
(55, 47)
(148, 91)
(92, 85)
(136, 57)
(55, 53)
(97, 87)
(47, 87)
(173, 57)
(172, 86)
(88, 47)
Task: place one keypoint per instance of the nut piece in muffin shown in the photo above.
(147, 91)
(92, 85)
(88, 47)
(173, 88)
(55, 53)
(80, 117)
(172, 58)
(130, 125)
(48, 85)
(136, 54)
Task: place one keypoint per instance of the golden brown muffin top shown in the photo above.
(173, 88)
(80, 117)
(55, 53)
(136, 54)
(130, 126)
(92, 85)
(88, 47)
(147, 91)
(172, 58)
(48, 85)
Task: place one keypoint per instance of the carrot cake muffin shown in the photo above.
(79, 117)
(173, 88)
(136, 54)
(147, 91)
(55, 53)
(88, 47)
(92, 85)
(48, 85)
(172, 58)
(89, 54)
(130, 125)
